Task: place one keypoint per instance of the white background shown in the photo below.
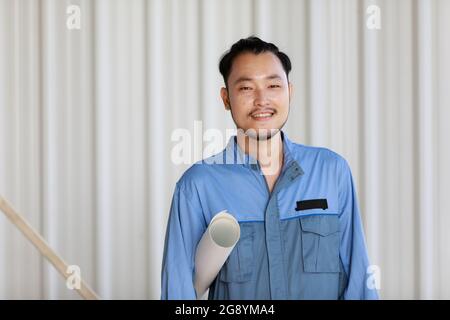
(86, 118)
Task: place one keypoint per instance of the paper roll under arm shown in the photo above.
(19, 221)
(213, 249)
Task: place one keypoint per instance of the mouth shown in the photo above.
(262, 116)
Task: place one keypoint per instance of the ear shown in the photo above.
(291, 89)
(224, 96)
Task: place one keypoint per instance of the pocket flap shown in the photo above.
(320, 224)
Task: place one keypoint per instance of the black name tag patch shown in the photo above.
(312, 204)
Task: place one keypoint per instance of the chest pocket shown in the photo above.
(320, 243)
(239, 265)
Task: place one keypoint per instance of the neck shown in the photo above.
(269, 152)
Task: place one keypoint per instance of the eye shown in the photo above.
(244, 88)
(274, 86)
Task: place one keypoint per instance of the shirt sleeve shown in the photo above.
(184, 229)
(353, 250)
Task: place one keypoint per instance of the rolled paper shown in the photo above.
(213, 250)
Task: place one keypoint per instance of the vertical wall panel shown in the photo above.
(443, 147)
(426, 107)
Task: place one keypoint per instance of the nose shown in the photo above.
(261, 98)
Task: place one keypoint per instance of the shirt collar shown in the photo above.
(235, 155)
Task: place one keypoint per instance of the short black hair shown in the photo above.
(255, 45)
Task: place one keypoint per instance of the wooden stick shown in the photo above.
(20, 222)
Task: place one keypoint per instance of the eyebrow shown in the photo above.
(241, 79)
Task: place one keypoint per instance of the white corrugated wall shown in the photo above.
(86, 118)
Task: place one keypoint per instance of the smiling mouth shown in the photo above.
(260, 116)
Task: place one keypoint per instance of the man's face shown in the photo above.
(258, 94)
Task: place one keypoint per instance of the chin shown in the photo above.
(261, 134)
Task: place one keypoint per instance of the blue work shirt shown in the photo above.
(303, 240)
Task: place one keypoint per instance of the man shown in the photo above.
(301, 231)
